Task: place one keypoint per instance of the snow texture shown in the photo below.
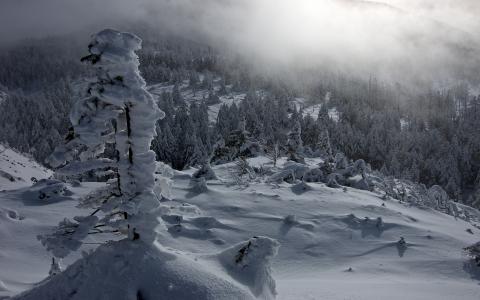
(329, 238)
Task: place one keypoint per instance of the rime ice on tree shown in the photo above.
(117, 110)
(295, 144)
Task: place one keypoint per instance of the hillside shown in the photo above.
(17, 170)
(332, 244)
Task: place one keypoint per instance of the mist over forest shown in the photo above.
(436, 42)
(239, 149)
(397, 62)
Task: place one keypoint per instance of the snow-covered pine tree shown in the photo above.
(295, 144)
(324, 145)
(117, 111)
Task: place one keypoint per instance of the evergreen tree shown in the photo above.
(118, 111)
(295, 144)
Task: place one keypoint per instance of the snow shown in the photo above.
(237, 97)
(331, 244)
(23, 217)
(199, 95)
(213, 110)
(334, 114)
(17, 170)
(312, 111)
(137, 271)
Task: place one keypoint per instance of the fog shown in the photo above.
(395, 40)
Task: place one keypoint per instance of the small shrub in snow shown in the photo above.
(199, 185)
(291, 172)
(341, 162)
(244, 168)
(314, 175)
(439, 197)
(55, 267)
(332, 180)
(290, 220)
(473, 251)
(76, 183)
(301, 188)
(249, 263)
(206, 172)
(48, 190)
(379, 223)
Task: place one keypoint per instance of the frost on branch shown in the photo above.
(116, 113)
(68, 235)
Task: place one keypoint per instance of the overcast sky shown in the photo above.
(386, 37)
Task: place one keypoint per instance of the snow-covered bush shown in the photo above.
(439, 197)
(249, 263)
(341, 162)
(332, 180)
(55, 267)
(291, 172)
(206, 172)
(314, 175)
(117, 112)
(301, 188)
(473, 251)
(48, 190)
(199, 185)
(359, 182)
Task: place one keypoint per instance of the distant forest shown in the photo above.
(427, 136)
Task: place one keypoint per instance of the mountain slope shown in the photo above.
(328, 247)
(16, 170)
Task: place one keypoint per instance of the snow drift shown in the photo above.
(134, 270)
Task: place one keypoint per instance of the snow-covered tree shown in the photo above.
(117, 111)
(295, 144)
(474, 252)
(324, 145)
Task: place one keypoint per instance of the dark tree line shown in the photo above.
(430, 137)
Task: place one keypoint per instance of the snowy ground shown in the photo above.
(317, 247)
(17, 170)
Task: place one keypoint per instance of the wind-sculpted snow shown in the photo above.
(328, 237)
(124, 270)
(249, 263)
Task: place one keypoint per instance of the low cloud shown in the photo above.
(396, 40)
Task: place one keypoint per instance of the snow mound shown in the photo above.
(249, 263)
(10, 215)
(134, 270)
(47, 191)
(206, 172)
(301, 188)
